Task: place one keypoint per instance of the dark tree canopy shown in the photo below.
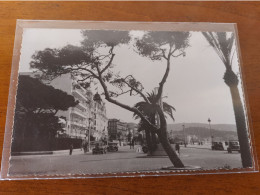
(54, 62)
(155, 45)
(35, 120)
(34, 96)
(96, 38)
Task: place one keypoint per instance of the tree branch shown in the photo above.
(178, 55)
(131, 109)
(136, 90)
(81, 68)
(110, 61)
(163, 52)
(161, 84)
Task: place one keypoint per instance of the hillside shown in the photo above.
(218, 127)
(203, 133)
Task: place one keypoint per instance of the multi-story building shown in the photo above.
(132, 128)
(117, 129)
(87, 118)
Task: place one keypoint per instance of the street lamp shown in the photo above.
(184, 136)
(89, 128)
(210, 132)
(96, 98)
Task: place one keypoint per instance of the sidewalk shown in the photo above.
(57, 152)
(199, 146)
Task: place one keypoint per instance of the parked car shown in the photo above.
(112, 147)
(100, 148)
(217, 146)
(145, 149)
(228, 145)
(233, 146)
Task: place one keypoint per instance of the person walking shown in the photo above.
(133, 143)
(71, 149)
(177, 148)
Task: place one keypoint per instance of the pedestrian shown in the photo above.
(133, 143)
(177, 148)
(71, 149)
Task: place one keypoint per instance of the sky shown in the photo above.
(195, 85)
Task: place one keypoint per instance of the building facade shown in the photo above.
(122, 131)
(117, 130)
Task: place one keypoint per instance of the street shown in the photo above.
(125, 160)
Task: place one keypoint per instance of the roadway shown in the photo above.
(122, 161)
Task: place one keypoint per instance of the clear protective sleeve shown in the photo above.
(197, 160)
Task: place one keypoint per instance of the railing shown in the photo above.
(81, 93)
(78, 112)
(78, 124)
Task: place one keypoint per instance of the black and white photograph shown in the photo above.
(125, 100)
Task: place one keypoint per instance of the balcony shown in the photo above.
(83, 106)
(78, 112)
(80, 93)
(80, 124)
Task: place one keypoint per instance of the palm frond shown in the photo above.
(168, 109)
(221, 44)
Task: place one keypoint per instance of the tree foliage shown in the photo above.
(34, 96)
(94, 39)
(149, 109)
(35, 123)
(159, 45)
(222, 44)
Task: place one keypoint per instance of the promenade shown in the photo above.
(125, 159)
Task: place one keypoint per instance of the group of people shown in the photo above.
(132, 145)
(84, 147)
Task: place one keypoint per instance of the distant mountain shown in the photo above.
(218, 127)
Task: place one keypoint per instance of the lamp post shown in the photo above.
(89, 128)
(96, 98)
(184, 136)
(210, 132)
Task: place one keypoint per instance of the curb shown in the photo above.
(46, 152)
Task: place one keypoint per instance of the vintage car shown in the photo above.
(100, 148)
(218, 146)
(112, 147)
(145, 149)
(233, 146)
(228, 145)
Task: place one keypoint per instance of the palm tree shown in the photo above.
(149, 110)
(223, 45)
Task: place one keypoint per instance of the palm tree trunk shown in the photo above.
(153, 136)
(242, 133)
(168, 148)
(231, 80)
(162, 135)
(148, 141)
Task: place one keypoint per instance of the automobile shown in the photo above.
(112, 147)
(233, 146)
(145, 149)
(217, 146)
(100, 148)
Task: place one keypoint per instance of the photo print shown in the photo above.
(110, 98)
